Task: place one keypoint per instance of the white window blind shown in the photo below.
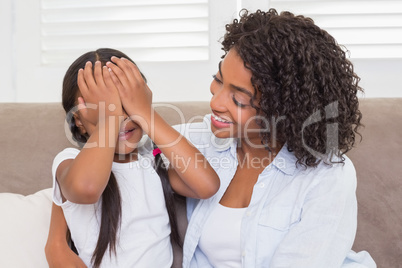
(368, 29)
(146, 30)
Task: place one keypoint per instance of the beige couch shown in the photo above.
(32, 134)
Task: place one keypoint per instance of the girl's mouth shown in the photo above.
(125, 135)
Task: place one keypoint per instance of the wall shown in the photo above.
(7, 69)
(380, 78)
(24, 79)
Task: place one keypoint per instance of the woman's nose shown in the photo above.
(219, 100)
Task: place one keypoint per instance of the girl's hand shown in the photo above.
(57, 251)
(100, 97)
(135, 95)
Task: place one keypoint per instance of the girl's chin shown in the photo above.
(125, 156)
(124, 148)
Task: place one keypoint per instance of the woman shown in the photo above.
(284, 99)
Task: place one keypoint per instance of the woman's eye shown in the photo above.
(238, 103)
(216, 79)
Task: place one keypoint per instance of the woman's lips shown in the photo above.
(219, 122)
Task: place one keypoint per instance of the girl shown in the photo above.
(117, 200)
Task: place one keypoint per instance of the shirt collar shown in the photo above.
(285, 161)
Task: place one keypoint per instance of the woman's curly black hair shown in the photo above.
(307, 84)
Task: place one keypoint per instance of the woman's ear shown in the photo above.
(79, 124)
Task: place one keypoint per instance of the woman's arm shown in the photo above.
(191, 174)
(83, 179)
(58, 253)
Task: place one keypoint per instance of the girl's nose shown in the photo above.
(125, 114)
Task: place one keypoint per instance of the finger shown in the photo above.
(107, 78)
(120, 74)
(136, 72)
(88, 76)
(82, 107)
(124, 65)
(98, 74)
(82, 85)
(129, 68)
(115, 80)
(81, 104)
(133, 69)
(146, 85)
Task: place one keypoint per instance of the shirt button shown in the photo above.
(243, 253)
(262, 185)
(248, 213)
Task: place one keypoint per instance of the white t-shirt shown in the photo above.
(220, 238)
(144, 236)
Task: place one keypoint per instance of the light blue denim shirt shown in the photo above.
(297, 217)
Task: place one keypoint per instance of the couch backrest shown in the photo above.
(378, 164)
(32, 134)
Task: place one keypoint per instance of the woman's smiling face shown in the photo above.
(232, 114)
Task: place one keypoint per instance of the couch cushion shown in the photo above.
(31, 135)
(24, 228)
